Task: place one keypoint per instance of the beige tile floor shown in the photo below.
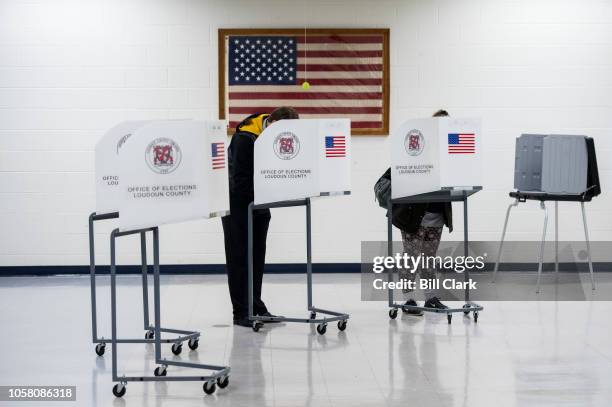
(519, 354)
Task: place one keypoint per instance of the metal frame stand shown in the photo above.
(543, 197)
(101, 342)
(322, 322)
(220, 377)
(438, 196)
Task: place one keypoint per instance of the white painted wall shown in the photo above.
(70, 69)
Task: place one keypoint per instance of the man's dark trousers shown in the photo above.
(235, 229)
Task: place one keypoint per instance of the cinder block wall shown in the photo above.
(70, 69)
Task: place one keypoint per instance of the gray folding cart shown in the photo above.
(220, 377)
(450, 195)
(259, 320)
(190, 336)
(553, 167)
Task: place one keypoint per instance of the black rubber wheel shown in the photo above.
(466, 306)
(449, 317)
(193, 344)
(321, 329)
(475, 316)
(177, 348)
(160, 371)
(119, 390)
(222, 382)
(100, 348)
(209, 387)
(393, 313)
(342, 325)
(256, 326)
(149, 334)
(313, 315)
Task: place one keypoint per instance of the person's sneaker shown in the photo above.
(415, 312)
(267, 314)
(245, 322)
(434, 302)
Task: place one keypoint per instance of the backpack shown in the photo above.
(382, 189)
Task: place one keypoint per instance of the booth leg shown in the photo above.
(308, 254)
(466, 241)
(541, 257)
(588, 245)
(156, 296)
(557, 238)
(503, 237)
(145, 283)
(92, 280)
(390, 252)
(256, 324)
(113, 286)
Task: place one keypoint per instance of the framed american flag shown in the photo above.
(346, 70)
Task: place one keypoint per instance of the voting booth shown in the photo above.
(296, 160)
(150, 173)
(435, 159)
(434, 154)
(553, 167)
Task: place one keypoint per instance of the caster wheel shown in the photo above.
(341, 325)
(256, 326)
(177, 348)
(100, 348)
(222, 382)
(150, 334)
(449, 317)
(321, 329)
(313, 315)
(466, 307)
(209, 387)
(193, 344)
(393, 313)
(119, 390)
(475, 316)
(160, 371)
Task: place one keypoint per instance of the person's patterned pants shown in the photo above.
(424, 241)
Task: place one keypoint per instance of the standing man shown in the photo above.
(235, 225)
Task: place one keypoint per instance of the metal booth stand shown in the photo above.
(322, 322)
(454, 195)
(220, 377)
(191, 336)
(543, 197)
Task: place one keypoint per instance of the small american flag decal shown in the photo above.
(461, 143)
(335, 146)
(218, 155)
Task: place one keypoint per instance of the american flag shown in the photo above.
(461, 143)
(218, 155)
(345, 73)
(335, 146)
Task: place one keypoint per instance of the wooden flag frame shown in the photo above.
(223, 33)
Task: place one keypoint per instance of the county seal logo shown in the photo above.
(163, 155)
(414, 142)
(286, 145)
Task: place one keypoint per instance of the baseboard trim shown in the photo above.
(289, 268)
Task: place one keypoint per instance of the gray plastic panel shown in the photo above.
(528, 162)
(564, 164)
